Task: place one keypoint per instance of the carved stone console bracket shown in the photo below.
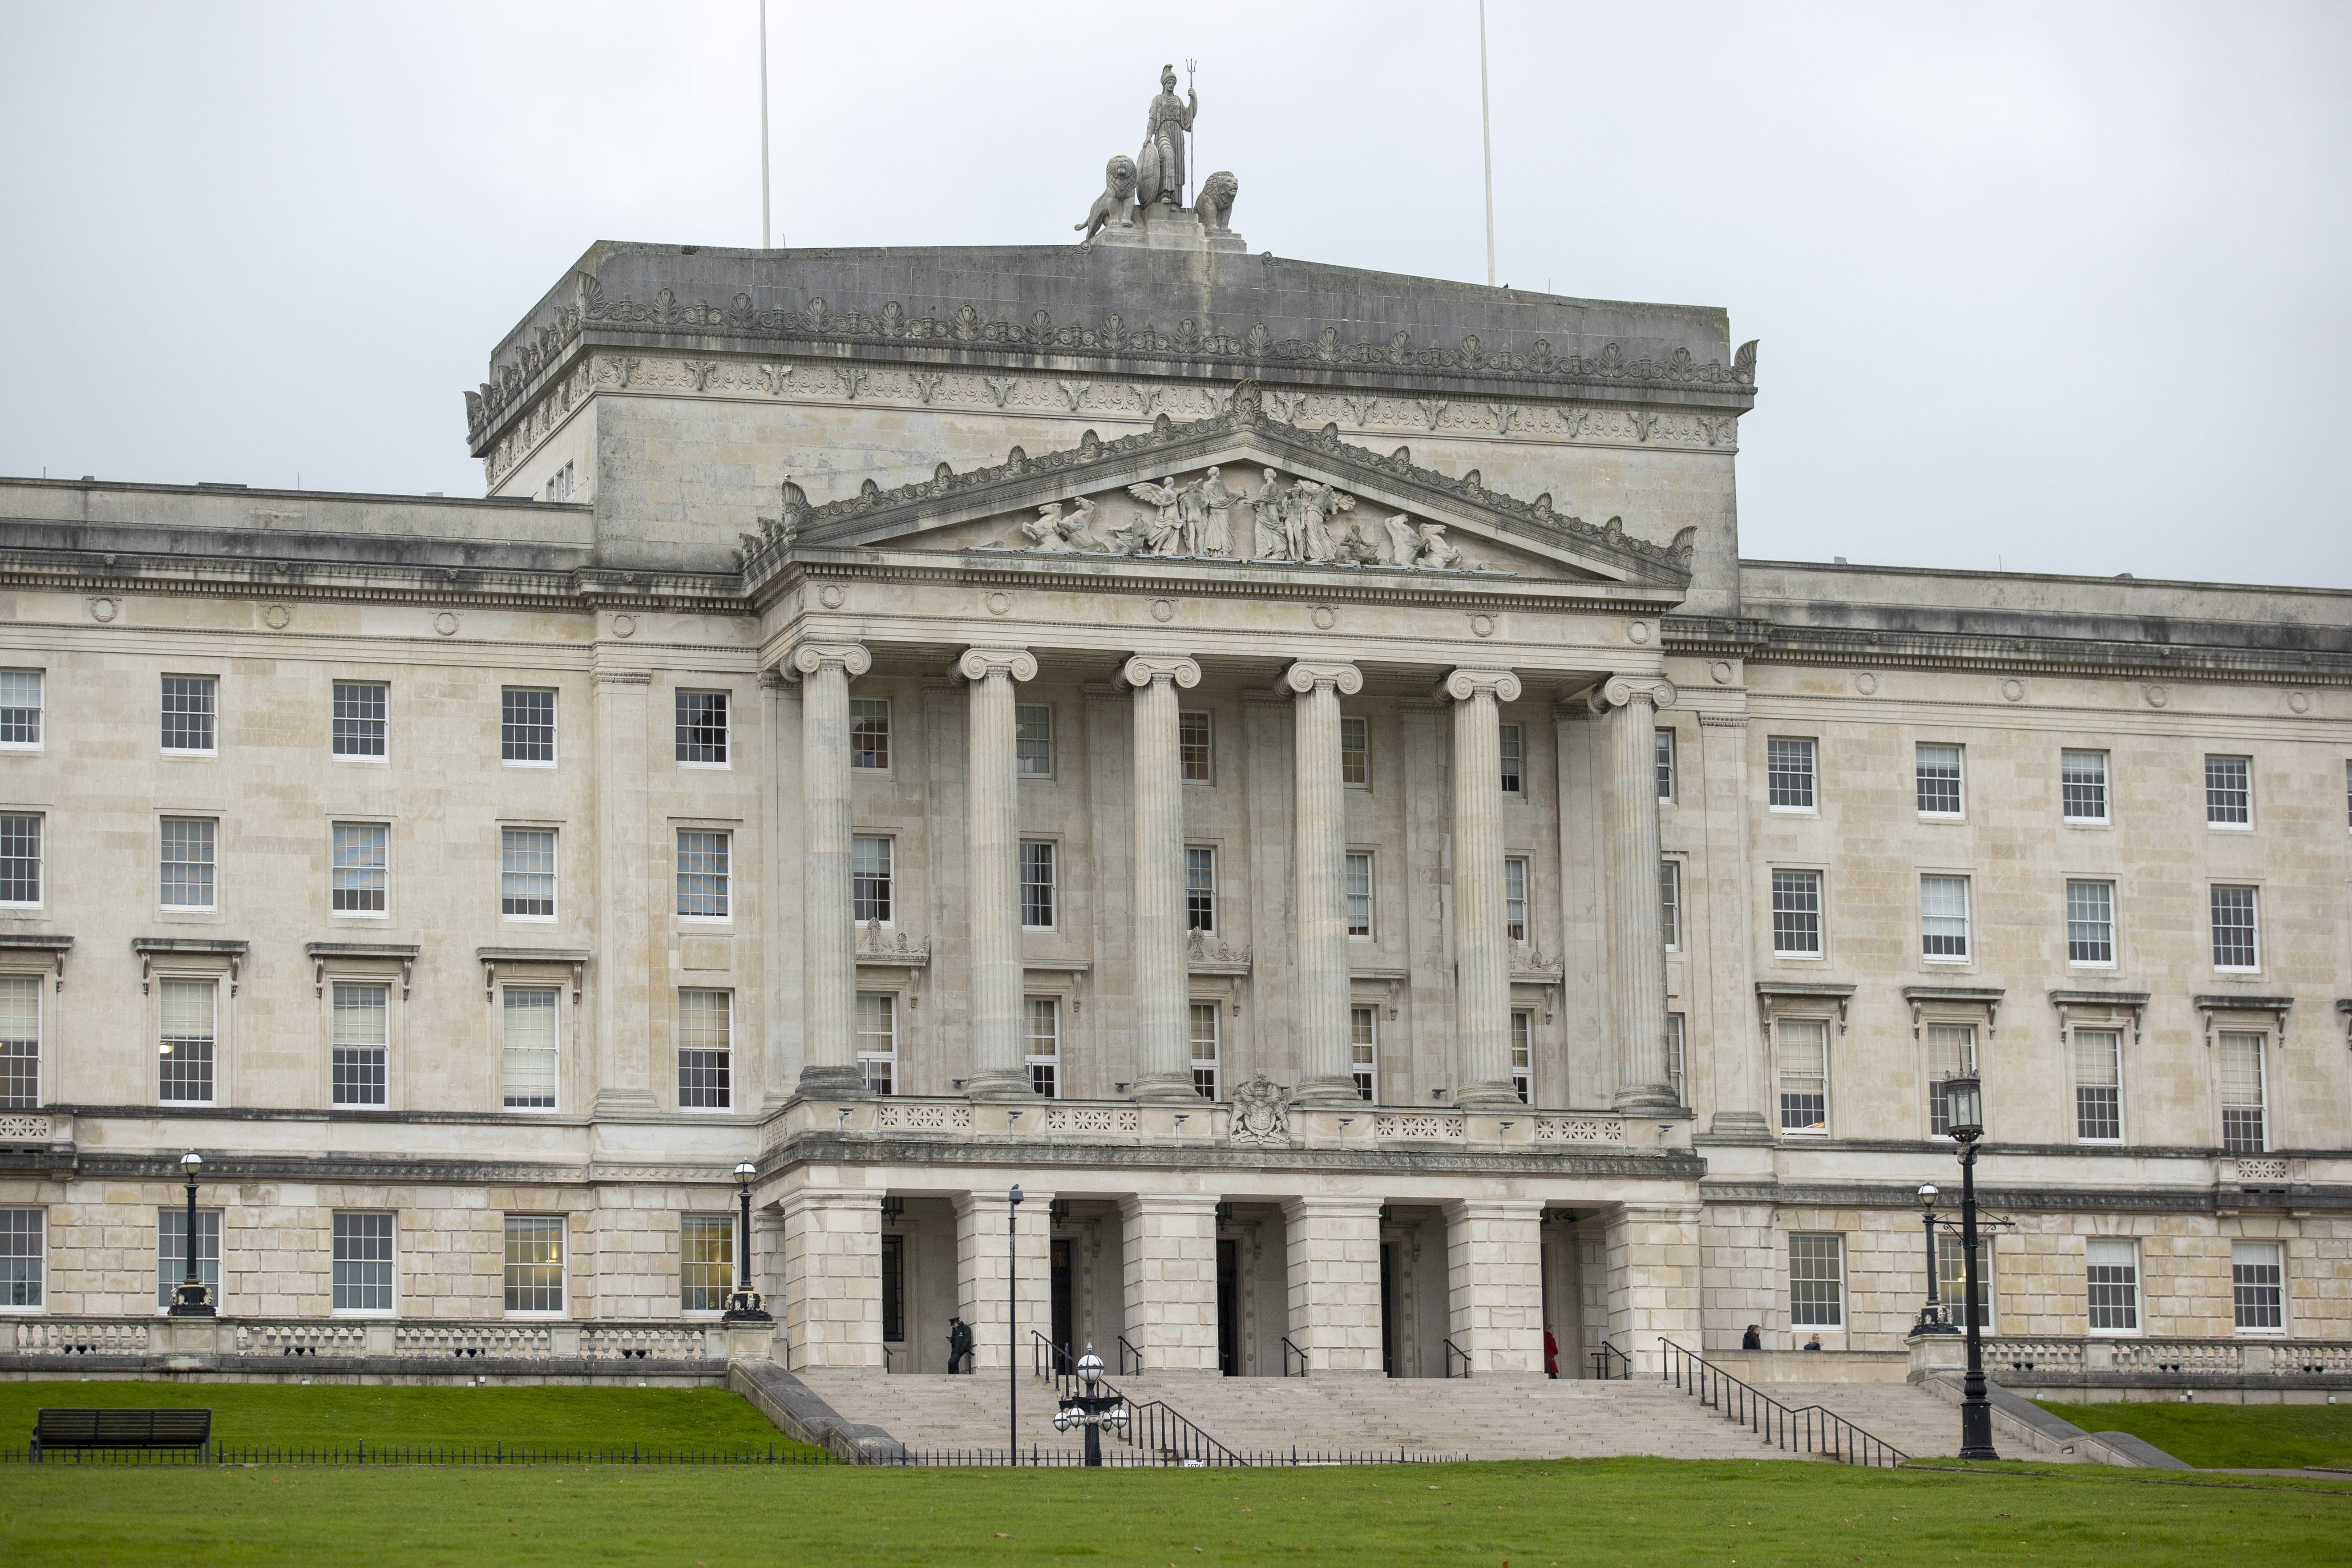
(1079, 969)
(2276, 1006)
(1988, 997)
(320, 953)
(57, 947)
(1394, 979)
(573, 958)
(1768, 992)
(2106, 1002)
(148, 947)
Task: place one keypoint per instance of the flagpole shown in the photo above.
(1193, 142)
(764, 229)
(1486, 138)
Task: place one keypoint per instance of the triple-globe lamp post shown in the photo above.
(1964, 1105)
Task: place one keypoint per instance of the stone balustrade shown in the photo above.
(2012, 1357)
(416, 1340)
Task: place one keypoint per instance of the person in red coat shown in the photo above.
(1551, 1355)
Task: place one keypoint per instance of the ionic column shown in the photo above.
(1637, 950)
(1482, 946)
(1320, 878)
(1163, 1041)
(993, 859)
(828, 939)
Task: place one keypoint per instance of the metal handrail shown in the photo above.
(1124, 1350)
(1805, 1429)
(1048, 1359)
(1453, 1353)
(1158, 1428)
(1612, 1364)
(1288, 1351)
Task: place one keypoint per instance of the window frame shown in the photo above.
(336, 870)
(37, 982)
(508, 724)
(541, 1227)
(554, 872)
(724, 1087)
(1782, 1077)
(697, 726)
(39, 710)
(2257, 1043)
(1024, 715)
(1664, 757)
(382, 720)
(39, 859)
(2113, 959)
(337, 1262)
(2252, 928)
(335, 985)
(163, 822)
(1510, 756)
(1678, 1057)
(1818, 913)
(2240, 1287)
(2137, 1306)
(1523, 1053)
(1959, 781)
(1670, 901)
(859, 1035)
(1362, 727)
(38, 1275)
(887, 879)
(705, 875)
(1039, 897)
(215, 1065)
(1969, 1062)
(2245, 789)
(1366, 1069)
(2106, 786)
(1952, 1288)
(1967, 953)
(722, 1226)
(1773, 773)
(1034, 1005)
(555, 1052)
(2075, 1073)
(1215, 1061)
(861, 728)
(211, 715)
(1207, 746)
(1834, 1280)
(1201, 901)
(211, 1225)
(1370, 895)
(1521, 931)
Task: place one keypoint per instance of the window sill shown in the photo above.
(363, 761)
(1795, 810)
(22, 751)
(198, 756)
(511, 762)
(1943, 816)
(708, 767)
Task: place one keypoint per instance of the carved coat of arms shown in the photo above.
(1260, 1113)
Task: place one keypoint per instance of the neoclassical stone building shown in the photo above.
(1286, 764)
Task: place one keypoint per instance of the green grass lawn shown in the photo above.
(2252, 1436)
(1609, 1511)
(333, 1415)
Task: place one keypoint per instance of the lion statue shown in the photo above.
(1116, 205)
(1215, 202)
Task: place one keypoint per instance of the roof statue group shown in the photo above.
(1207, 518)
(1154, 177)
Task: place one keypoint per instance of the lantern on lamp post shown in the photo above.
(1964, 1114)
(191, 1297)
(744, 1306)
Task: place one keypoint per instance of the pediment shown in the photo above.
(1237, 492)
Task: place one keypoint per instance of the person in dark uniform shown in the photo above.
(1753, 1339)
(959, 1346)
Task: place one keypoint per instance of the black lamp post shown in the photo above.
(190, 1299)
(1013, 1319)
(1964, 1103)
(744, 1306)
(1932, 1318)
(1093, 1409)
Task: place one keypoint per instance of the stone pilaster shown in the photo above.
(1320, 876)
(1653, 1252)
(992, 843)
(1630, 844)
(1482, 945)
(833, 1280)
(622, 919)
(1162, 1055)
(1334, 1256)
(1494, 1285)
(1004, 1281)
(828, 937)
(1169, 1247)
(1732, 1048)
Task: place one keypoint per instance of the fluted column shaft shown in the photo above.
(1320, 875)
(1162, 1036)
(1482, 947)
(1636, 936)
(992, 858)
(828, 950)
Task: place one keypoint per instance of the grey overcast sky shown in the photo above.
(2057, 287)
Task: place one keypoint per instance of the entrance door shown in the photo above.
(1062, 1297)
(1229, 1309)
(1388, 1317)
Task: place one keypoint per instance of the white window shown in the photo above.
(1817, 1281)
(2258, 1286)
(1360, 895)
(1195, 747)
(1804, 1053)
(1523, 1053)
(359, 720)
(1943, 919)
(1796, 914)
(2083, 786)
(706, 1049)
(2243, 1119)
(2111, 1271)
(190, 715)
(362, 1263)
(526, 727)
(869, 879)
(1937, 769)
(20, 859)
(2099, 1086)
(22, 1255)
(1789, 773)
(1676, 1066)
(1506, 739)
(1952, 1276)
(2091, 923)
(1041, 1044)
(183, 1052)
(1200, 888)
(2229, 792)
(2233, 929)
(1036, 884)
(534, 1272)
(527, 873)
(20, 710)
(869, 734)
(1663, 746)
(1032, 739)
(360, 1043)
(1515, 898)
(358, 881)
(703, 878)
(20, 1042)
(702, 729)
(1951, 1053)
(189, 847)
(1670, 903)
(559, 484)
(526, 1019)
(1208, 1054)
(706, 1262)
(172, 1252)
(877, 1041)
(1355, 752)
(1364, 1050)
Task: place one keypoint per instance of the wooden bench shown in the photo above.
(180, 1428)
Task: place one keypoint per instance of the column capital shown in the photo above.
(1621, 690)
(1305, 677)
(979, 663)
(1146, 667)
(1464, 684)
(808, 656)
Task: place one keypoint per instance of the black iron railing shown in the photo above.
(1454, 1353)
(1293, 1355)
(365, 1453)
(1040, 1457)
(1158, 1427)
(1127, 1352)
(1805, 1429)
(1612, 1364)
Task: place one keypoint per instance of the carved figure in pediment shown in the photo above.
(1165, 534)
(1160, 167)
(1436, 550)
(1316, 505)
(1215, 202)
(1400, 544)
(1216, 536)
(1115, 207)
(1357, 549)
(1054, 534)
(1271, 534)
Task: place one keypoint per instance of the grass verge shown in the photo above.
(2217, 1436)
